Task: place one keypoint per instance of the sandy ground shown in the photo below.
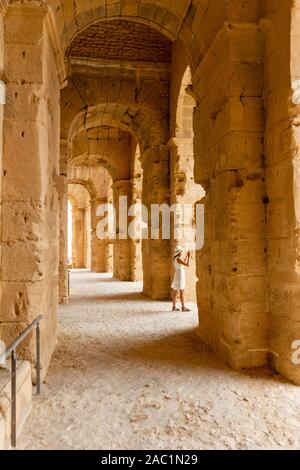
(130, 374)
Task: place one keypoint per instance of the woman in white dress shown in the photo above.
(178, 283)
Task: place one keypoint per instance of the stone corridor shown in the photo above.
(128, 111)
(138, 378)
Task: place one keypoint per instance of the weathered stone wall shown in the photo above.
(137, 184)
(180, 63)
(63, 280)
(30, 178)
(78, 249)
(123, 244)
(228, 127)
(280, 27)
(156, 253)
(2, 47)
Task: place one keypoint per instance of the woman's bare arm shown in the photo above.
(185, 263)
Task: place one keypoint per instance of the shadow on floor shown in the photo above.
(185, 351)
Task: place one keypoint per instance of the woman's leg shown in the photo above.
(174, 295)
(182, 299)
(183, 307)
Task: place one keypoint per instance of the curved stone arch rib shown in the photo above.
(72, 199)
(106, 114)
(86, 183)
(111, 169)
(147, 126)
(185, 108)
(162, 17)
(101, 161)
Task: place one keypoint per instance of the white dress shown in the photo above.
(179, 276)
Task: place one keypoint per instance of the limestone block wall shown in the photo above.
(123, 246)
(63, 226)
(2, 47)
(180, 63)
(78, 248)
(87, 238)
(280, 27)
(156, 253)
(30, 179)
(101, 253)
(228, 128)
(137, 182)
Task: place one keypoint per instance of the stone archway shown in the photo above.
(171, 20)
(98, 183)
(184, 191)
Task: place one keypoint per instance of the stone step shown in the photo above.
(24, 401)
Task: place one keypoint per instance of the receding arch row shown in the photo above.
(148, 130)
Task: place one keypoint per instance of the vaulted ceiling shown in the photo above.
(121, 40)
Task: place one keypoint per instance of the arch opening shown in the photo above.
(184, 190)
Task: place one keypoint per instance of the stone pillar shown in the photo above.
(3, 10)
(78, 238)
(228, 128)
(123, 246)
(156, 253)
(282, 161)
(100, 250)
(136, 245)
(87, 237)
(30, 179)
(63, 226)
(184, 191)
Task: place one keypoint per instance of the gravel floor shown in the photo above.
(130, 374)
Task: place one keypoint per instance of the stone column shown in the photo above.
(3, 10)
(123, 246)
(30, 179)
(78, 245)
(100, 251)
(282, 161)
(87, 237)
(228, 128)
(156, 253)
(136, 245)
(184, 190)
(63, 224)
